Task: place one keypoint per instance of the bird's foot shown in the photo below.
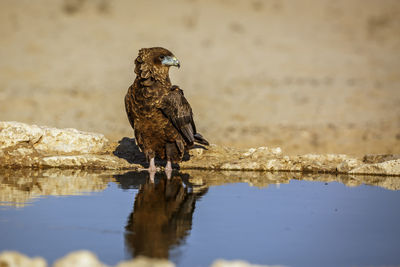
(168, 167)
(151, 168)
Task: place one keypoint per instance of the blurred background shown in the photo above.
(309, 76)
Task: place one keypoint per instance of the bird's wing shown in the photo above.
(177, 109)
(129, 106)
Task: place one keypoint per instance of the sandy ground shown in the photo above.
(310, 76)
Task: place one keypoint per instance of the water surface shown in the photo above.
(196, 217)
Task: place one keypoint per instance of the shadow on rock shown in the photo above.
(127, 149)
(162, 214)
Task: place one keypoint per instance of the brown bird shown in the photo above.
(158, 111)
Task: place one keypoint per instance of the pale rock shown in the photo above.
(348, 164)
(320, 163)
(15, 259)
(50, 140)
(276, 151)
(70, 141)
(238, 263)
(21, 151)
(81, 258)
(196, 152)
(85, 258)
(265, 159)
(250, 166)
(246, 165)
(146, 262)
(249, 152)
(13, 133)
(262, 151)
(378, 158)
(325, 157)
(391, 167)
(31, 146)
(273, 164)
(109, 162)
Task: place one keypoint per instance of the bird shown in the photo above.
(158, 111)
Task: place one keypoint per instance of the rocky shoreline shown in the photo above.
(41, 147)
(85, 258)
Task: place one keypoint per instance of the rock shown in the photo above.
(347, 165)
(15, 259)
(262, 152)
(378, 158)
(31, 146)
(271, 159)
(81, 258)
(262, 159)
(238, 263)
(86, 161)
(391, 167)
(196, 152)
(86, 258)
(326, 163)
(146, 262)
(70, 141)
(50, 140)
(13, 133)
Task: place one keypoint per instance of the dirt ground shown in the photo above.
(309, 76)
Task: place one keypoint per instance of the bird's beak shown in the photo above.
(171, 61)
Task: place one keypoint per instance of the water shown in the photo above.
(197, 217)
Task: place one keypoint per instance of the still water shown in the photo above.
(197, 216)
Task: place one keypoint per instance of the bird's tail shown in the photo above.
(200, 139)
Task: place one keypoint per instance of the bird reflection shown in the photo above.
(162, 215)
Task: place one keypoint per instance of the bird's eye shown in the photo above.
(161, 57)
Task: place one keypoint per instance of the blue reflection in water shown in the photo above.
(297, 224)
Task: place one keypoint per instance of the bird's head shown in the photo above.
(155, 62)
